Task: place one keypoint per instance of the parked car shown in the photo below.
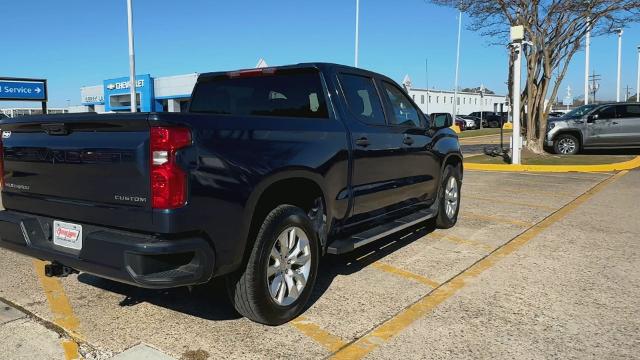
(471, 122)
(489, 118)
(461, 123)
(482, 114)
(264, 175)
(612, 125)
(495, 121)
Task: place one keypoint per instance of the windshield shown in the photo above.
(579, 112)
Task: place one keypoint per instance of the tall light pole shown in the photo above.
(618, 82)
(357, 30)
(455, 88)
(132, 60)
(586, 61)
(638, 81)
(517, 37)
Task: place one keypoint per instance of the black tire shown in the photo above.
(248, 288)
(494, 124)
(444, 221)
(566, 144)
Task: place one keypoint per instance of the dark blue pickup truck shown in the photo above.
(269, 170)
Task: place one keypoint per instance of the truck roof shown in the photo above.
(314, 65)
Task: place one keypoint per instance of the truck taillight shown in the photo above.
(168, 180)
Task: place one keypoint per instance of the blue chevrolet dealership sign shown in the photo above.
(23, 89)
(116, 93)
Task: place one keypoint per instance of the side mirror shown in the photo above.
(592, 118)
(441, 121)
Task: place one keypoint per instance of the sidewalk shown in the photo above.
(24, 338)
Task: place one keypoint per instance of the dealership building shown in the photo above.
(169, 93)
(441, 101)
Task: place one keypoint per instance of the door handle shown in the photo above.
(363, 141)
(408, 140)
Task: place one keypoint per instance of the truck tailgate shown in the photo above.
(95, 160)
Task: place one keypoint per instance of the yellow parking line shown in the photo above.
(61, 309)
(495, 219)
(509, 202)
(405, 274)
(70, 348)
(329, 341)
(625, 165)
(459, 240)
(378, 336)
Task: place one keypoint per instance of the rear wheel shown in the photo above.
(281, 271)
(566, 144)
(449, 198)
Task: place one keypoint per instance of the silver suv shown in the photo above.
(595, 126)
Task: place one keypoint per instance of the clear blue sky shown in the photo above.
(75, 43)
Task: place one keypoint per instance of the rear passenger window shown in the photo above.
(288, 93)
(629, 111)
(362, 98)
(404, 113)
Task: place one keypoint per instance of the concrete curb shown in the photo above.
(626, 165)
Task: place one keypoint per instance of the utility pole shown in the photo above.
(628, 93)
(455, 89)
(586, 61)
(619, 78)
(426, 77)
(595, 84)
(132, 60)
(357, 31)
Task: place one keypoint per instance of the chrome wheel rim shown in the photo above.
(451, 196)
(289, 266)
(566, 146)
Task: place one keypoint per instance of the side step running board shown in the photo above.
(343, 246)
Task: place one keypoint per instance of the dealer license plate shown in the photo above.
(67, 235)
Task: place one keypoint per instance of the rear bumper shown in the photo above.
(133, 258)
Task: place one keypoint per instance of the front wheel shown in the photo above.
(449, 198)
(281, 271)
(566, 144)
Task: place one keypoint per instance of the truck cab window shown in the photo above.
(362, 98)
(404, 113)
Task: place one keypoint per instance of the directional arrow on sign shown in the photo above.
(37, 90)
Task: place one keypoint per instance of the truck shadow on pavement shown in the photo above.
(210, 301)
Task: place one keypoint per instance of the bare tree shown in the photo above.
(557, 29)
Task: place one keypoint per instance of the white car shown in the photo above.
(468, 123)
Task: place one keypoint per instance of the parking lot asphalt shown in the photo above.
(539, 266)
